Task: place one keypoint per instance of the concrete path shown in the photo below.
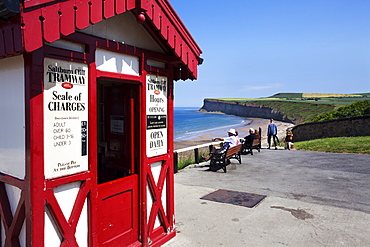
(313, 199)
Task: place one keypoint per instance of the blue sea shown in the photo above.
(190, 124)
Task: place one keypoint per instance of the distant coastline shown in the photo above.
(243, 131)
(287, 107)
(245, 110)
(190, 123)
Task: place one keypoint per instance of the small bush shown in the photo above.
(185, 162)
(188, 158)
(355, 109)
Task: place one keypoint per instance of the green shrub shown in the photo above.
(185, 162)
(187, 158)
(355, 109)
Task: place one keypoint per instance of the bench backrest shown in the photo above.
(256, 142)
(233, 150)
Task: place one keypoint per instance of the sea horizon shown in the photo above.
(191, 124)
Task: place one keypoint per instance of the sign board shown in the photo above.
(117, 125)
(65, 118)
(156, 115)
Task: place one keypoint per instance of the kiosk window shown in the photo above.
(117, 121)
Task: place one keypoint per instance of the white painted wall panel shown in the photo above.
(12, 121)
(124, 29)
(82, 228)
(68, 45)
(115, 62)
(156, 171)
(14, 194)
(155, 63)
(22, 235)
(66, 195)
(52, 236)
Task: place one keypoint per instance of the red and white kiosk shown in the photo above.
(86, 128)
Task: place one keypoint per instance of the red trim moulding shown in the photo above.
(143, 160)
(35, 149)
(82, 14)
(51, 16)
(2, 44)
(96, 9)
(170, 176)
(12, 224)
(27, 89)
(32, 3)
(93, 155)
(62, 54)
(108, 7)
(110, 75)
(67, 179)
(119, 47)
(65, 17)
(120, 7)
(170, 16)
(11, 38)
(4, 178)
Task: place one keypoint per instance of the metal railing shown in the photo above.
(196, 152)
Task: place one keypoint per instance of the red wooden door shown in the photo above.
(118, 212)
(118, 200)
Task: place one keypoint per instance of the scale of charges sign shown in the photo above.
(156, 115)
(65, 117)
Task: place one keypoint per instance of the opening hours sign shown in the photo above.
(156, 113)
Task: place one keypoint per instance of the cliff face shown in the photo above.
(244, 110)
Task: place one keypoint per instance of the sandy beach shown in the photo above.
(243, 131)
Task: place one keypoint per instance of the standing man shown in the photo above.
(272, 132)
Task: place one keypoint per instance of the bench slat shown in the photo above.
(219, 161)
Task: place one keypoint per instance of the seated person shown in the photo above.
(238, 140)
(249, 139)
(229, 141)
(288, 139)
(257, 135)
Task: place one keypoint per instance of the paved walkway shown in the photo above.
(313, 199)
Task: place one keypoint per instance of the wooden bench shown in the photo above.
(221, 160)
(256, 144)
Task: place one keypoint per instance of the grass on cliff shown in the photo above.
(354, 145)
(297, 111)
(300, 107)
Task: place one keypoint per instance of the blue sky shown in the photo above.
(256, 48)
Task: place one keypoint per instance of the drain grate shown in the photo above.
(235, 197)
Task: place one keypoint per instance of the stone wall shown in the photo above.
(344, 127)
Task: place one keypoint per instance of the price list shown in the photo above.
(65, 118)
(62, 134)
